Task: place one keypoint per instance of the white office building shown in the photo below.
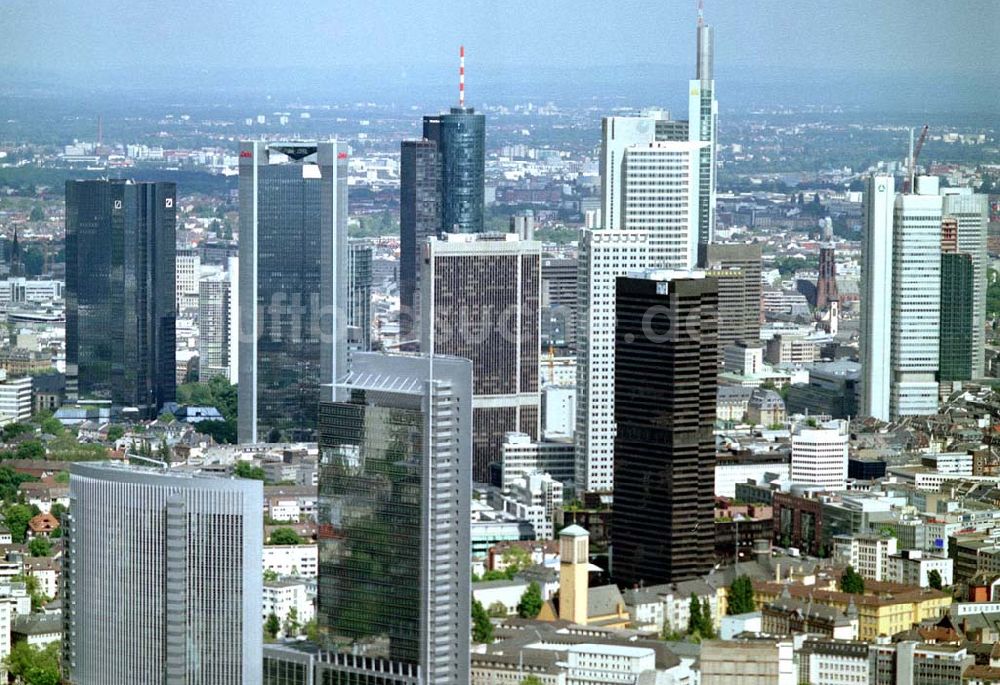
(558, 410)
(869, 553)
(188, 274)
(604, 257)
(218, 318)
(912, 567)
(901, 299)
(15, 398)
(522, 456)
(819, 455)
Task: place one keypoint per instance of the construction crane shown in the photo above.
(914, 154)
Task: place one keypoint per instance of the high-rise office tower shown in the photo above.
(604, 256)
(957, 351)
(736, 268)
(826, 282)
(218, 318)
(293, 284)
(559, 305)
(394, 506)
(481, 302)
(460, 136)
(901, 299)
(703, 114)
(181, 582)
(419, 219)
(819, 455)
(120, 293)
(971, 213)
(664, 460)
(359, 295)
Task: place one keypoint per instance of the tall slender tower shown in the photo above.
(120, 293)
(293, 284)
(394, 493)
(703, 114)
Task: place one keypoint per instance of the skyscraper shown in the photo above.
(359, 294)
(218, 318)
(819, 455)
(293, 284)
(957, 352)
(481, 301)
(736, 268)
(419, 219)
(604, 256)
(971, 213)
(394, 507)
(460, 136)
(181, 580)
(703, 114)
(120, 293)
(664, 460)
(559, 305)
(901, 299)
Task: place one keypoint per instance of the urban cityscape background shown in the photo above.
(534, 344)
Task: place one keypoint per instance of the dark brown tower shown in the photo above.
(666, 361)
(826, 284)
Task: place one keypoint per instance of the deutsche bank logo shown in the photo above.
(169, 203)
(118, 204)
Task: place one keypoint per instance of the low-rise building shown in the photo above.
(747, 662)
(912, 567)
(869, 553)
(37, 630)
(281, 597)
(825, 661)
(291, 560)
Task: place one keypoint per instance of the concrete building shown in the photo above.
(534, 498)
(559, 305)
(558, 410)
(281, 597)
(174, 620)
(819, 455)
(731, 469)
(480, 301)
(604, 256)
(742, 357)
(293, 285)
(737, 269)
(218, 321)
(826, 661)
(747, 662)
(395, 490)
(15, 398)
(869, 553)
(913, 663)
(521, 456)
(359, 295)
(911, 567)
(188, 278)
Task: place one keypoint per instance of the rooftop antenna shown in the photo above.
(100, 130)
(461, 76)
(701, 12)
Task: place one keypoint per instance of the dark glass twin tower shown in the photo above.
(442, 190)
(120, 293)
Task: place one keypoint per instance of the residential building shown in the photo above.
(291, 560)
(395, 489)
(819, 455)
(173, 620)
(280, 597)
(293, 284)
(664, 469)
(604, 256)
(481, 302)
(787, 616)
(120, 293)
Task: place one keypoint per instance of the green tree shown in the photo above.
(740, 596)
(30, 449)
(223, 432)
(16, 517)
(291, 627)
(707, 629)
(37, 214)
(270, 575)
(531, 680)
(852, 581)
(33, 665)
(531, 601)
(116, 433)
(482, 628)
(934, 579)
(497, 610)
(40, 547)
(9, 482)
(695, 621)
(167, 417)
(245, 469)
(311, 630)
(51, 426)
(12, 430)
(285, 536)
(57, 509)
(271, 626)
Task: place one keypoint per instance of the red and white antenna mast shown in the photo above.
(461, 76)
(701, 12)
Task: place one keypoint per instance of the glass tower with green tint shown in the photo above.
(394, 506)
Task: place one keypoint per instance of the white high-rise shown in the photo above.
(703, 115)
(218, 318)
(901, 299)
(971, 211)
(819, 455)
(604, 257)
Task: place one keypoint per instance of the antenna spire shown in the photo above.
(701, 12)
(461, 76)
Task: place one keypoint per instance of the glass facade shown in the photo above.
(956, 317)
(120, 293)
(293, 285)
(370, 528)
(359, 296)
(419, 218)
(461, 142)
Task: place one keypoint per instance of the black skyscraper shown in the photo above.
(419, 218)
(120, 293)
(666, 361)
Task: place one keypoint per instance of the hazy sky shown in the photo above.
(850, 34)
